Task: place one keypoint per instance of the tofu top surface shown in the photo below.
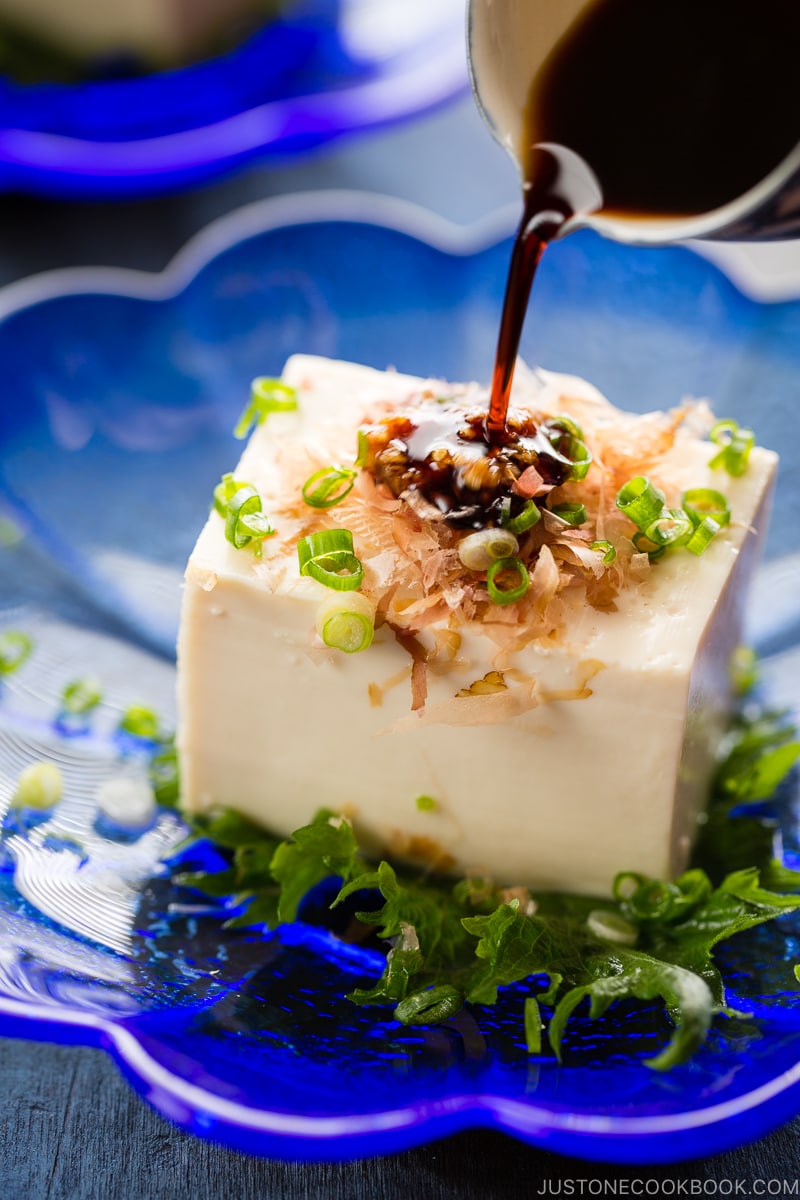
(660, 613)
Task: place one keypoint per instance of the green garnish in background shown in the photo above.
(451, 944)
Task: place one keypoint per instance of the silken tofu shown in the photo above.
(562, 740)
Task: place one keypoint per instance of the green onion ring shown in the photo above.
(81, 696)
(560, 423)
(529, 516)
(606, 549)
(325, 541)
(722, 432)
(362, 449)
(654, 900)
(324, 555)
(141, 722)
(698, 503)
(702, 535)
(328, 486)
(653, 551)
(567, 439)
(15, 648)
(610, 926)
(244, 520)
(672, 528)
(429, 1006)
(573, 514)
(533, 1025)
(349, 632)
(507, 595)
(736, 442)
(626, 884)
(224, 492)
(266, 396)
(641, 501)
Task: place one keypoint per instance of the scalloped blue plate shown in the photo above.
(120, 391)
(325, 69)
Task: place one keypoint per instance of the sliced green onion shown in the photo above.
(15, 647)
(40, 785)
(328, 557)
(563, 424)
(164, 775)
(338, 570)
(81, 696)
(429, 1006)
(347, 623)
(608, 552)
(479, 550)
(672, 528)
(503, 594)
(744, 670)
(653, 900)
(736, 443)
(266, 396)
(325, 541)
(426, 804)
(533, 1025)
(702, 535)
(329, 486)
(609, 926)
(573, 514)
(641, 501)
(567, 437)
(224, 492)
(362, 449)
(141, 721)
(245, 523)
(239, 504)
(652, 549)
(626, 884)
(706, 502)
(529, 515)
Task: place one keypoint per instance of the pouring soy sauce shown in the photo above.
(648, 120)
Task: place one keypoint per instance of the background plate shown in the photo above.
(328, 68)
(119, 395)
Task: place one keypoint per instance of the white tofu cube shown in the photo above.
(595, 750)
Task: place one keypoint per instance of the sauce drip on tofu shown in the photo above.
(441, 453)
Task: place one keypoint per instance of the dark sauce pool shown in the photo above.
(443, 454)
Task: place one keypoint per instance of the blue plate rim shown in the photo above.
(372, 209)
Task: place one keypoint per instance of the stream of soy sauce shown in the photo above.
(648, 109)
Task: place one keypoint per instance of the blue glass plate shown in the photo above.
(120, 391)
(325, 69)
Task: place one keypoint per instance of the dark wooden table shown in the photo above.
(70, 1128)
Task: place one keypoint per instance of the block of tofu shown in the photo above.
(562, 741)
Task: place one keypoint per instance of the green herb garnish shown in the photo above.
(81, 696)
(141, 722)
(329, 486)
(239, 505)
(266, 396)
(328, 557)
(735, 445)
(15, 648)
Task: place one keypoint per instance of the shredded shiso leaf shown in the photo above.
(450, 944)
